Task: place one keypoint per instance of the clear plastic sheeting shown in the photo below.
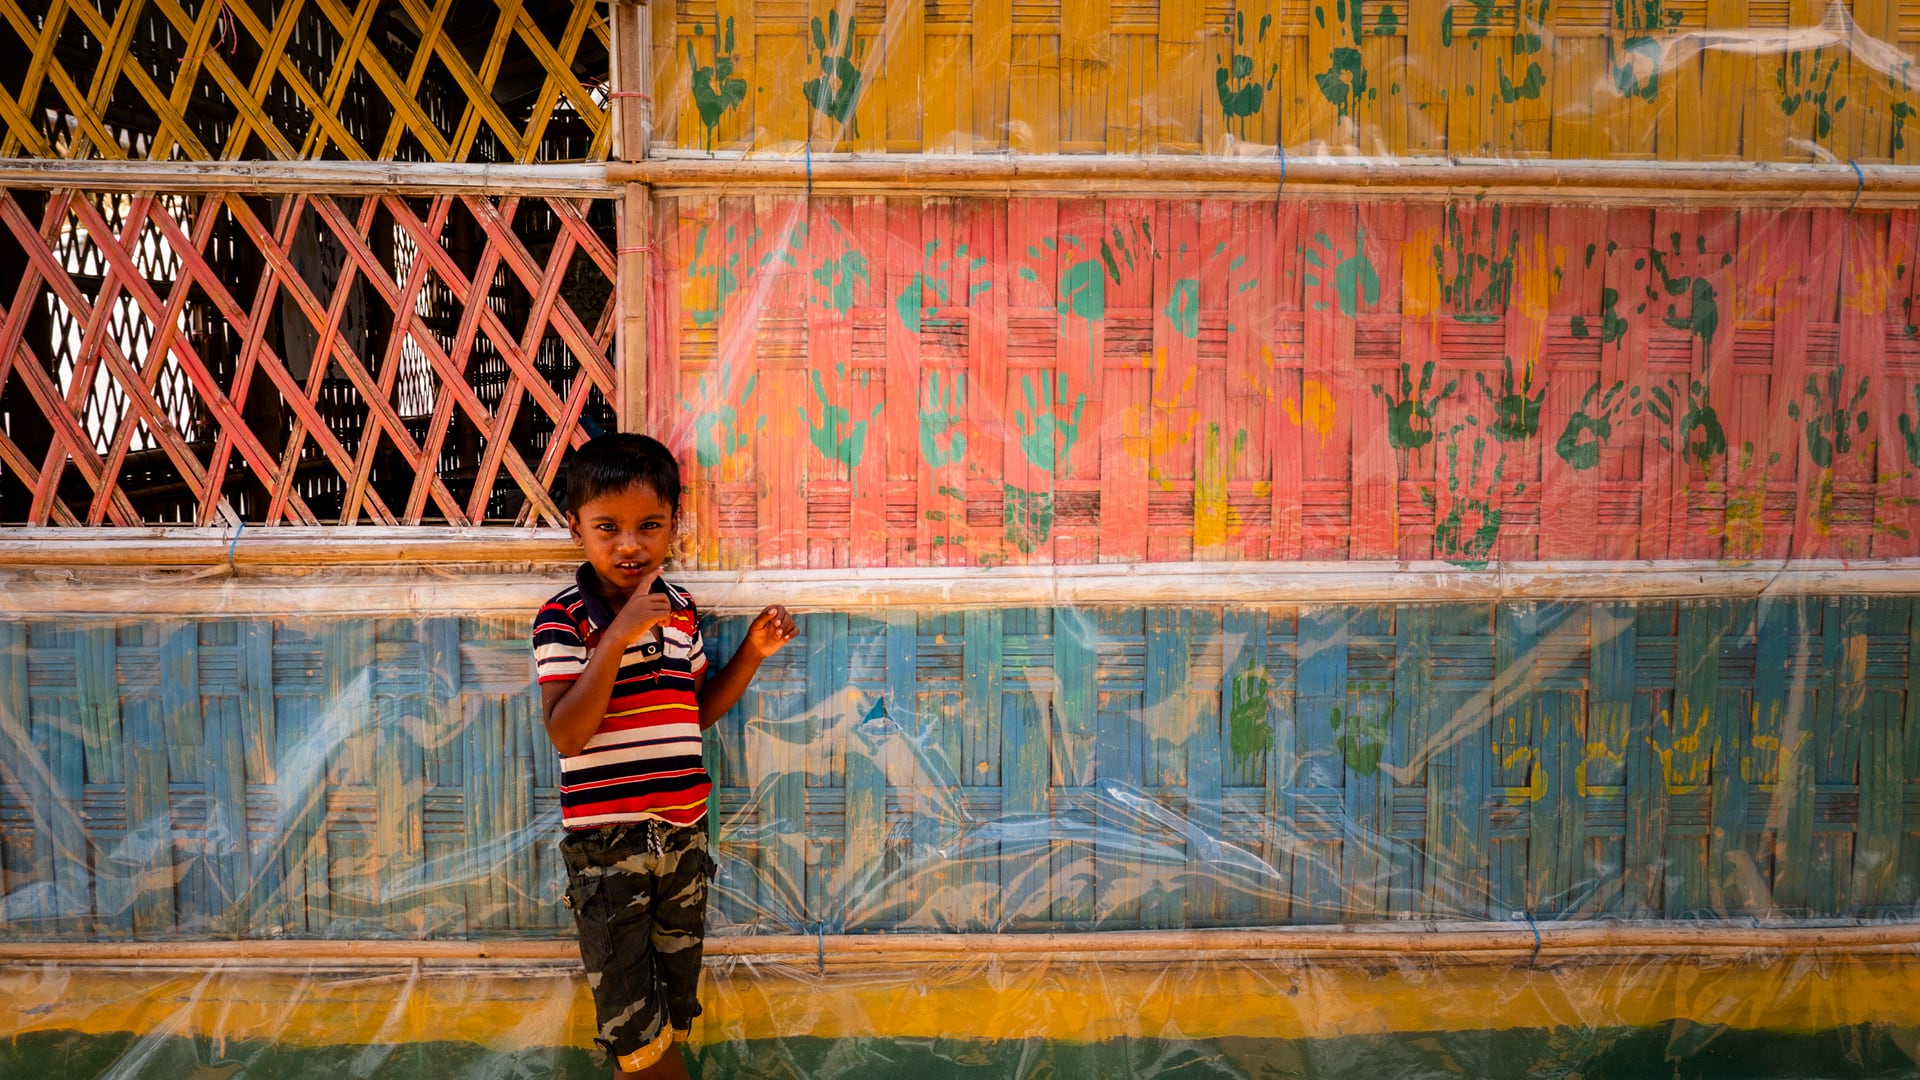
(1650, 80)
(1015, 770)
(1237, 1014)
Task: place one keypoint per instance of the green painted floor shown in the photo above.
(1676, 1052)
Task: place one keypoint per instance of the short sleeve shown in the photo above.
(558, 652)
(697, 647)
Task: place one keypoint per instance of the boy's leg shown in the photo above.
(680, 922)
(613, 887)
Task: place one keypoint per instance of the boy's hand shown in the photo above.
(771, 630)
(643, 611)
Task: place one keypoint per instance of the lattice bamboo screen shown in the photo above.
(1028, 768)
(209, 358)
(202, 80)
(1669, 80)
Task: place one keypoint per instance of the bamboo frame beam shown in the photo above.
(311, 177)
(1057, 175)
(288, 572)
(1469, 943)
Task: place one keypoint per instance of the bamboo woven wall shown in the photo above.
(917, 381)
(1667, 80)
(1024, 768)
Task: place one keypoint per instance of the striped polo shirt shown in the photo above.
(644, 761)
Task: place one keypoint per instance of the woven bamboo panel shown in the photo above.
(315, 359)
(1007, 769)
(904, 382)
(1670, 80)
(200, 80)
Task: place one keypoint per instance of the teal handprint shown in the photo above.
(1830, 424)
(1586, 432)
(715, 89)
(836, 89)
(941, 412)
(1410, 416)
(715, 431)
(1354, 279)
(1241, 91)
(1040, 422)
(1516, 414)
(836, 438)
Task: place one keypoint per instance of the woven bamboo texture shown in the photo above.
(1667, 80)
(1008, 769)
(314, 359)
(203, 80)
(919, 382)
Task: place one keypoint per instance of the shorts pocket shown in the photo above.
(596, 939)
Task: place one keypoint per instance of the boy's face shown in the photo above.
(625, 535)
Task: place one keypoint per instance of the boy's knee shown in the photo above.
(649, 1055)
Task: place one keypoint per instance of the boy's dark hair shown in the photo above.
(612, 463)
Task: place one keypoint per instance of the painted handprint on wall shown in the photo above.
(836, 89)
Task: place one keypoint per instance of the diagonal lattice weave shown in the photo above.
(414, 80)
(304, 360)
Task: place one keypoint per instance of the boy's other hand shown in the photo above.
(643, 611)
(771, 630)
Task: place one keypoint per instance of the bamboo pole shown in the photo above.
(633, 130)
(1471, 943)
(1056, 175)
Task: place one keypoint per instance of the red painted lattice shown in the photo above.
(312, 359)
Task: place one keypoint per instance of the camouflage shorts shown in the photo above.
(639, 897)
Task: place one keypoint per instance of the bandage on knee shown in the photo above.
(646, 1056)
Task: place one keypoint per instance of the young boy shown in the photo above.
(625, 692)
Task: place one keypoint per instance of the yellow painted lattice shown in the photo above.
(201, 80)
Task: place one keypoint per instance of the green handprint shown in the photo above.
(1703, 315)
(1579, 445)
(827, 435)
(1362, 738)
(1241, 93)
(834, 92)
(941, 411)
(1250, 734)
(1809, 88)
(1028, 516)
(1410, 417)
(1344, 82)
(1460, 262)
(1830, 425)
(1354, 279)
(1516, 416)
(1641, 18)
(1910, 431)
(1700, 419)
(715, 90)
(1041, 424)
(1901, 111)
(1450, 538)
